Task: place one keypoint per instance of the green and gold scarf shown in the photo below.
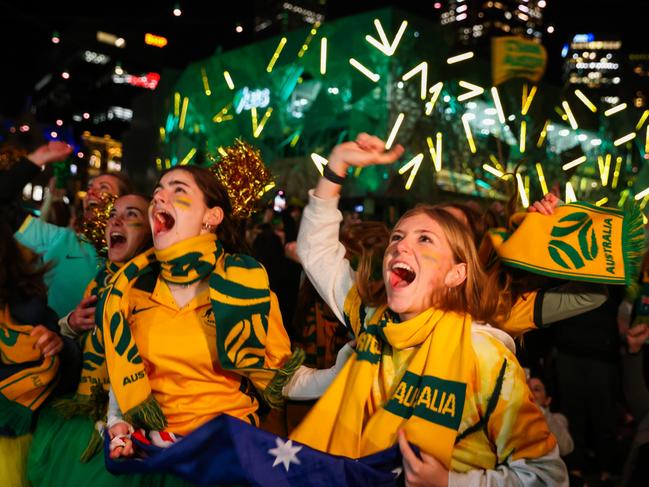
(579, 241)
(427, 402)
(27, 379)
(91, 397)
(94, 373)
(248, 323)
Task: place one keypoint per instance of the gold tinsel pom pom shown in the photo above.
(94, 228)
(9, 155)
(244, 176)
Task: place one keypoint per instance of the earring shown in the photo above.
(207, 226)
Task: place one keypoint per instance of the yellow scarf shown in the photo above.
(579, 241)
(427, 401)
(92, 392)
(27, 378)
(93, 372)
(91, 398)
(248, 323)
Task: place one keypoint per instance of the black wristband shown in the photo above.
(328, 174)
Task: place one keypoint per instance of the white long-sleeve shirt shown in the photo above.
(323, 259)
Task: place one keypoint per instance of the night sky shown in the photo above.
(26, 27)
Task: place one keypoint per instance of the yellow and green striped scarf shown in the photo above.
(580, 241)
(248, 323)
(93, 371)
(427, 400)
(91, 398)
(26, 378)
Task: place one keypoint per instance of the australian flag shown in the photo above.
(227, 450)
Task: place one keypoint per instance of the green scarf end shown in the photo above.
(632, 242)
(148, 415)
(272, 395)
(95, 445)
(15, 416)
(74, 406)
(93, 406)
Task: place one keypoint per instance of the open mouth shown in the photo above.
(401, 275)
(162, 222)
(91, 203)
(116, 239)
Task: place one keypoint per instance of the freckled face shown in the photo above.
(178, 209)
(127, 228)
(415, 265)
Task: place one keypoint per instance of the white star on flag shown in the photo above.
(397, 472)
(285, 453)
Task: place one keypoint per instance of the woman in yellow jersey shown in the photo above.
(66, 447)
(191, 328)
(425, 370)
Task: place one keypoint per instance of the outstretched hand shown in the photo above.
(366, 150)
(546, 205)
(426, 471)
(51, 152)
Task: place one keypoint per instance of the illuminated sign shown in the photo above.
(252, 99)
(583, 38)
(111, 39)
(149, 80)
(154, 40)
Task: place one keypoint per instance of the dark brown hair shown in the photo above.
(215, 195)
(20, 274)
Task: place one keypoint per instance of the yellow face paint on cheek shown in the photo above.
(430, 256)
(135, 224)
(182, 202)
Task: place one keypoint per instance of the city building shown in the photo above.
(478, 20)
(276, 17)
(638, 78)
(593, 61)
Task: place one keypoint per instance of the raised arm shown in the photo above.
(22, 172)
(26, 168)
(321, 253)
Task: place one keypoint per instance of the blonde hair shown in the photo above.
(478, 294)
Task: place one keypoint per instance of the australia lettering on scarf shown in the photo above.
(430, 398)
(93, 380)
(129, 379)
(607, 245)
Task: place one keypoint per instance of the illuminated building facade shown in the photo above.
(593, 62)
(476, 20)
(272, 18)
(638, 78)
